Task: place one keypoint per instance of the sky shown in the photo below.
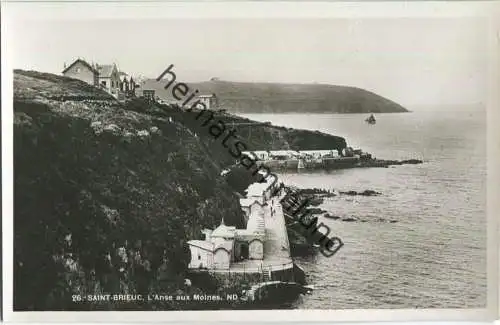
(417, 62)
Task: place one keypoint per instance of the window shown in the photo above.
(199, 256)
(103, 83)
(78, 70)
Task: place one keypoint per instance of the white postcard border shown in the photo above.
(37, 10)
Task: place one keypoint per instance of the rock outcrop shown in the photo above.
(106, 194)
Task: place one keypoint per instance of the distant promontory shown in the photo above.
(252, 97)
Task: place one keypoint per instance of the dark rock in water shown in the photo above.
(364, 193)
(316, 191)
(367, 218)
(329, 216)
(315, 201)
(412, 161)
(315, 211)
(313, 191)
(369, 193)
(302, 249)
(360, 219)
(349, 193)
(386, 163)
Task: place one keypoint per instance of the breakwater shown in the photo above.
(332, 163)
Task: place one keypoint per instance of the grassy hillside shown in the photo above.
(105, 198)
(246, 97)
(107, 194)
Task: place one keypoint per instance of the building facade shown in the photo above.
(210, 101)
(109, 78)
(148, 94)
(226, 246)
(106, 77)
(127, 84)
(82, 70)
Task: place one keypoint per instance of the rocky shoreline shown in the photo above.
(359, 218)
(382, 163)
(300, 244)
(123, 177)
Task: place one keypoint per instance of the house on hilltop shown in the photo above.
(210, 100)
(105, 76)
(109, 78)
(82, 70)
(149, 94)
(127, 84)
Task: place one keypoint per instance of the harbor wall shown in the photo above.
(214, 280)
(324, 163)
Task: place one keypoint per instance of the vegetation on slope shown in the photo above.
(246, 97)
(107, 194)
(105, 198)
(255, 135)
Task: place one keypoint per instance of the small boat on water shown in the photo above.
(371, 120)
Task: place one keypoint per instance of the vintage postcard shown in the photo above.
(203, 161)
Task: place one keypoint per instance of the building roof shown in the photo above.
(243, 232)
(257, 189)
(246, 202)
(317, 151)
(85, 63)
(202, 244)
(255, 152)
(223, 231)
(284, 153)
(250, 155)
(250, 235)
(105, 70)
(256, 155)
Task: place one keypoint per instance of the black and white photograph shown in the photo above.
(245, 163)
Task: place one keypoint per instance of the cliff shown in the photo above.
(105, 197)
(246, 97)
(106, 194)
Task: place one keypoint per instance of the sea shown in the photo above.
(433, 254)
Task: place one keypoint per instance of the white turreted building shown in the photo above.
(226, 246)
